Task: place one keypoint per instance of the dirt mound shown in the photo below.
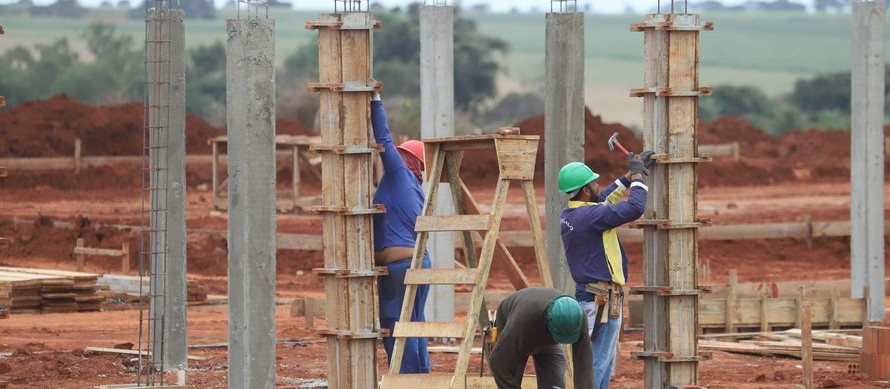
(47, 128)
(481, 165)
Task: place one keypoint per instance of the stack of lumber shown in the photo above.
(197, 293)
(134, 288)
(48, 291)
(827, 345)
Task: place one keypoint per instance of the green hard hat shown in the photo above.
(575, 175)
(564, 320)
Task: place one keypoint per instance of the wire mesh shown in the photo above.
(351, 6)
(563, 6)
(254, 5)
(152, 258)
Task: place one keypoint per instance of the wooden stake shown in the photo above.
(76, 155)
(79, 257)
(295, 177)
(806, 343)
(764, 297)
(214, 173)
(731, 306)
(125, 257)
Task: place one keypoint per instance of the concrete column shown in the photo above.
(166, 85)
(250, 101)
(175, 351)
(867, 155)
(436, 121)
(563, 127)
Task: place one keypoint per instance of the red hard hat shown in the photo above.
(415, 147)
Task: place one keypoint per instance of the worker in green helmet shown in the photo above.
(535, 322)
(596, 260)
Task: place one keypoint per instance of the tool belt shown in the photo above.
(606, 292)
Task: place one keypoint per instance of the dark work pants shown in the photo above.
(507, 367)
(391, 291)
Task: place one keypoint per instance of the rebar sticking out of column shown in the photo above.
(435, 2)
(564, 6)
(685, 6)
(350, 6)
(252, 3)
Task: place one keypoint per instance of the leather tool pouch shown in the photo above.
(601, 295)
(615, 302)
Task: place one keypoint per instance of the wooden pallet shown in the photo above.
(516, 157)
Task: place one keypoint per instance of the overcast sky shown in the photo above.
(598, 6)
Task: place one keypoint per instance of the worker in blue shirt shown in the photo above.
(596, 260)
(400, 192)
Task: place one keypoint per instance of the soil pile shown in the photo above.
(481, 165)
(48, 129)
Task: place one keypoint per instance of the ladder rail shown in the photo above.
(485, 258)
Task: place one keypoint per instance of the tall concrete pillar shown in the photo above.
(563, 127)
(250, 116)
(867, 155)
(437, 121)
(166, 86)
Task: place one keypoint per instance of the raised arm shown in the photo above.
(390, 156)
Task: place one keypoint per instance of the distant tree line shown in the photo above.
(194, 9)
(819, 102)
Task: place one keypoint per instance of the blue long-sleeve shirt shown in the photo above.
(588, 232)
(399, 191)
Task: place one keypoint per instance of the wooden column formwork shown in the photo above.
(670, 249)
(347, 147)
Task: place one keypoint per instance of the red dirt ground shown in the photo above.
(777, 180)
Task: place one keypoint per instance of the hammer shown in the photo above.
(613, 142)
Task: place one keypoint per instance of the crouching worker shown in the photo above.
(536, 322)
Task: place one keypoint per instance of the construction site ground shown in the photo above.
(43, 213)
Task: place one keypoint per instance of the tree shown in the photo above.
(729, 100)
(61, 8)
(206, 80)
(397, 57)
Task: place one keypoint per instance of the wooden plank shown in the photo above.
(98, 251)
(409, 329)
(516, 158)
(441, 276)
(731, 306)
(133, 352)
(443, 381)
(298, 242)
(452, 223)
(50, 272)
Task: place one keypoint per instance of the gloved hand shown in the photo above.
(376, 96)
(646, 156)
(636, 165)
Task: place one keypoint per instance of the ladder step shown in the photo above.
(441, 276)
(452, 223)
(413, 329)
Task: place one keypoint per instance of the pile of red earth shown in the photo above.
(48, 128)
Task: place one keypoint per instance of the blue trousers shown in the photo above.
(604, 345)
(391, 290)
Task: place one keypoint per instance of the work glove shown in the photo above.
(646, 156)
(636, 165)
(376, 96)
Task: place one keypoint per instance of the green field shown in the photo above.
(769, 51)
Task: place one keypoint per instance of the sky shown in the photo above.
(596, 6)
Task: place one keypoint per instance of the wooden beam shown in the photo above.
(106, 350)
(806, 346)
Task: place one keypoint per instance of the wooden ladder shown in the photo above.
(516, 160)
